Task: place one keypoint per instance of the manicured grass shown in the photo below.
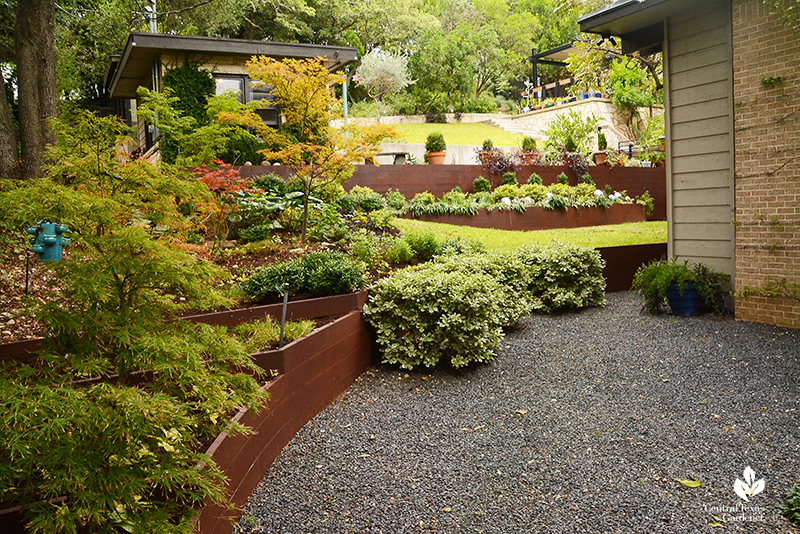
(458, 133)
(594, 236)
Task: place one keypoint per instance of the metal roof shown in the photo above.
(133, 68)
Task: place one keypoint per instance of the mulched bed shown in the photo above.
(582, 423)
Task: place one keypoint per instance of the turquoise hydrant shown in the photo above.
(47, 240)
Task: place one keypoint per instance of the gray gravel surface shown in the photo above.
(582, 423)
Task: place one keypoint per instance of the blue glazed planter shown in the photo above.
(686, 305)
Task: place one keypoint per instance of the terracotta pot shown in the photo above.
(600, 158)
(436, 158)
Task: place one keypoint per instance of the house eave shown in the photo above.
(637, 22)
(143, 49)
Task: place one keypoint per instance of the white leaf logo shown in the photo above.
(750, 486)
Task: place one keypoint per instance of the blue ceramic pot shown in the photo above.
(686, 305)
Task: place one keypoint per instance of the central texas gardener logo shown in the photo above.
(750, 486)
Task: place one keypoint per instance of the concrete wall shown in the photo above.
(767, 179)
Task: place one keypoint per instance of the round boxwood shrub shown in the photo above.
(422, 316)
(481, 185)
(509, 178)
(266, 286)
(535, 179)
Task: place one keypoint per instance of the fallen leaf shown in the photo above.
(523, 412)
(448, 509)
(364, 456)
(465, 429)
(693, 483)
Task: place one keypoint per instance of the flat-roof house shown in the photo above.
(732, 118)
(147, 56)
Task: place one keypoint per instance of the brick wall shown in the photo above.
(767, 141)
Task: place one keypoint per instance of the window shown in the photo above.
(250, 90)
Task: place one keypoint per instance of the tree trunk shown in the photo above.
(34, 40)
(8, 138)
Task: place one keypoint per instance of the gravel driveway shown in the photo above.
(581, 424)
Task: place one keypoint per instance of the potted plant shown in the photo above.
(690, 290)
(528, 156)
(602, 145)
(435, 148)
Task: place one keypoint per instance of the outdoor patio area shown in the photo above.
(582, 423)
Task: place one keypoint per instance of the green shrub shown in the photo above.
(271, 183)
(399, 252)
(317, 273)
(424, 198)
(367, 248)
(535, 179)
(562, 179)
(647, 201)
(528, 144)
(381, 219)
(395, 200)
(563, 277)
(255, 233)
(509, 178)
(791, 508)
(367, 199)
(424, 315)
(534, 191)
(488, 145)
(586, 179)
(507, 269)
(266, 285)
(435, 143)
(332, 273)
(481, 185)
(424, 244)
(326, 225)
(510, 191)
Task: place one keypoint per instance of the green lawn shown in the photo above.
(594, 236)
(458, 133)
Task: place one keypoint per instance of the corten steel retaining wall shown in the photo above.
(538, 218)
(622, 262)
(315, 371)
(439, 179)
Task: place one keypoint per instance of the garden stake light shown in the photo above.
(283, 314)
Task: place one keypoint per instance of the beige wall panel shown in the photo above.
(699, 94)
(702, 163)
(703, 249)
(701, 128)
(690, 60)
(698, 33)
(695, 231)
(693, 180)
(705, 197)
(700, 111)
(707, 144)
(703, 214)
(709, 71)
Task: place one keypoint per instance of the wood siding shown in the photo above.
(700, 135)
